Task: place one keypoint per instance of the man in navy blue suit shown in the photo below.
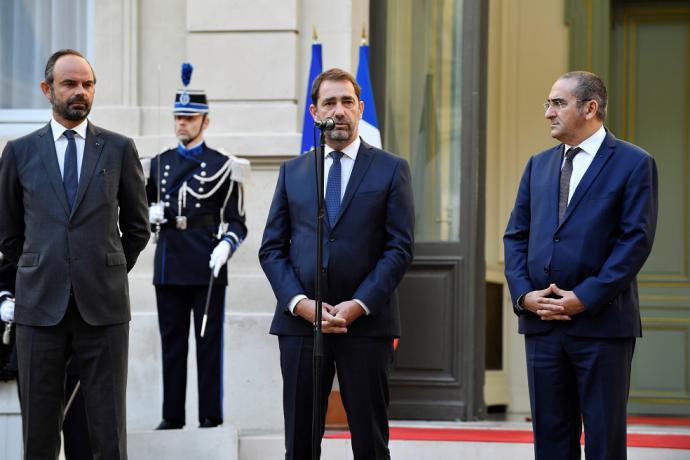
(368, 242)
(581, 229)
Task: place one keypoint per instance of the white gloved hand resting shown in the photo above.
(219, 257)
(7, 310)
(156, 214)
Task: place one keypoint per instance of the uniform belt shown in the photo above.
(204, 220)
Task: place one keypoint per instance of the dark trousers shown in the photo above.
(75, 430)
(363, 365)
(175, 303)
(101, 353)
(575, 381)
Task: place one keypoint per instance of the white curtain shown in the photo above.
(30, 31)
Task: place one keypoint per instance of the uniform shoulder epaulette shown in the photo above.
(240, 168)
(146, 165)
(146, 161)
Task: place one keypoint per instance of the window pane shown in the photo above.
(422, 108)
(30, 31)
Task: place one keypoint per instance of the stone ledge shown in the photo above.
(220, 443)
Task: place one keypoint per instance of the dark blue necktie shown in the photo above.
(333, 188)
(70, 181)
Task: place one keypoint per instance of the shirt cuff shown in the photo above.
(5, 295)
(293, 303)
(364, 307)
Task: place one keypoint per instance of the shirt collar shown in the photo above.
(189, 147)
(350, 151)
(58, 129)
(191, 152)
(592, 143)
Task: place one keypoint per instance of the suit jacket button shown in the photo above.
(331, 239)
(557, 238)
(323, 270)
(546, 269)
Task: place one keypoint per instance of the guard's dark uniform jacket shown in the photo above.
(182, 255)
(194, 186)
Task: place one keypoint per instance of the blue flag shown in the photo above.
(368, 125)
(308, 125)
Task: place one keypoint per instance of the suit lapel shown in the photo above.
(600, 159)
(46, 150)
(305, 176)
(364, 157)
(92, 152)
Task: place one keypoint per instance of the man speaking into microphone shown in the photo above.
(368, 241)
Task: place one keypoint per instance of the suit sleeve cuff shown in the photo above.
(519, 306)
(293, 303)
(233, 240)
(364, 307)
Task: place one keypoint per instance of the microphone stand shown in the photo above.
(319, 162)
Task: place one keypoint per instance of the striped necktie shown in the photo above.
(566, 173)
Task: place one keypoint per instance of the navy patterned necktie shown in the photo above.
(333, 187)
(70, 180)
(566, 173)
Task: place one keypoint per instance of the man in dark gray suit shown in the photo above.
(77, 219)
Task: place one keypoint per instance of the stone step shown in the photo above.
(221, 443)
(271, 446)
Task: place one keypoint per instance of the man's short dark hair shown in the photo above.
(589, 88)
(333, 74)
(50, 65)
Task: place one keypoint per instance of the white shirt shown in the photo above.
(347, 162)
(583, 159)
(61, 143)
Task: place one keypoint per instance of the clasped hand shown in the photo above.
(334, 319)
(550, 309)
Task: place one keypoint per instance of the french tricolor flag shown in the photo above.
(368, 125)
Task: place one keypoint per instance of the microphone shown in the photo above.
(326, 124)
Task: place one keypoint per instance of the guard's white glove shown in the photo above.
(7, 310)
(219, 257)
(156, 213)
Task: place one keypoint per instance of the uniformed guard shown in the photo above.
(197, 212)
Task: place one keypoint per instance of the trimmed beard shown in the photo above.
(64, 110)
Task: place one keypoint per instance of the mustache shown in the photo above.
(77, 99)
